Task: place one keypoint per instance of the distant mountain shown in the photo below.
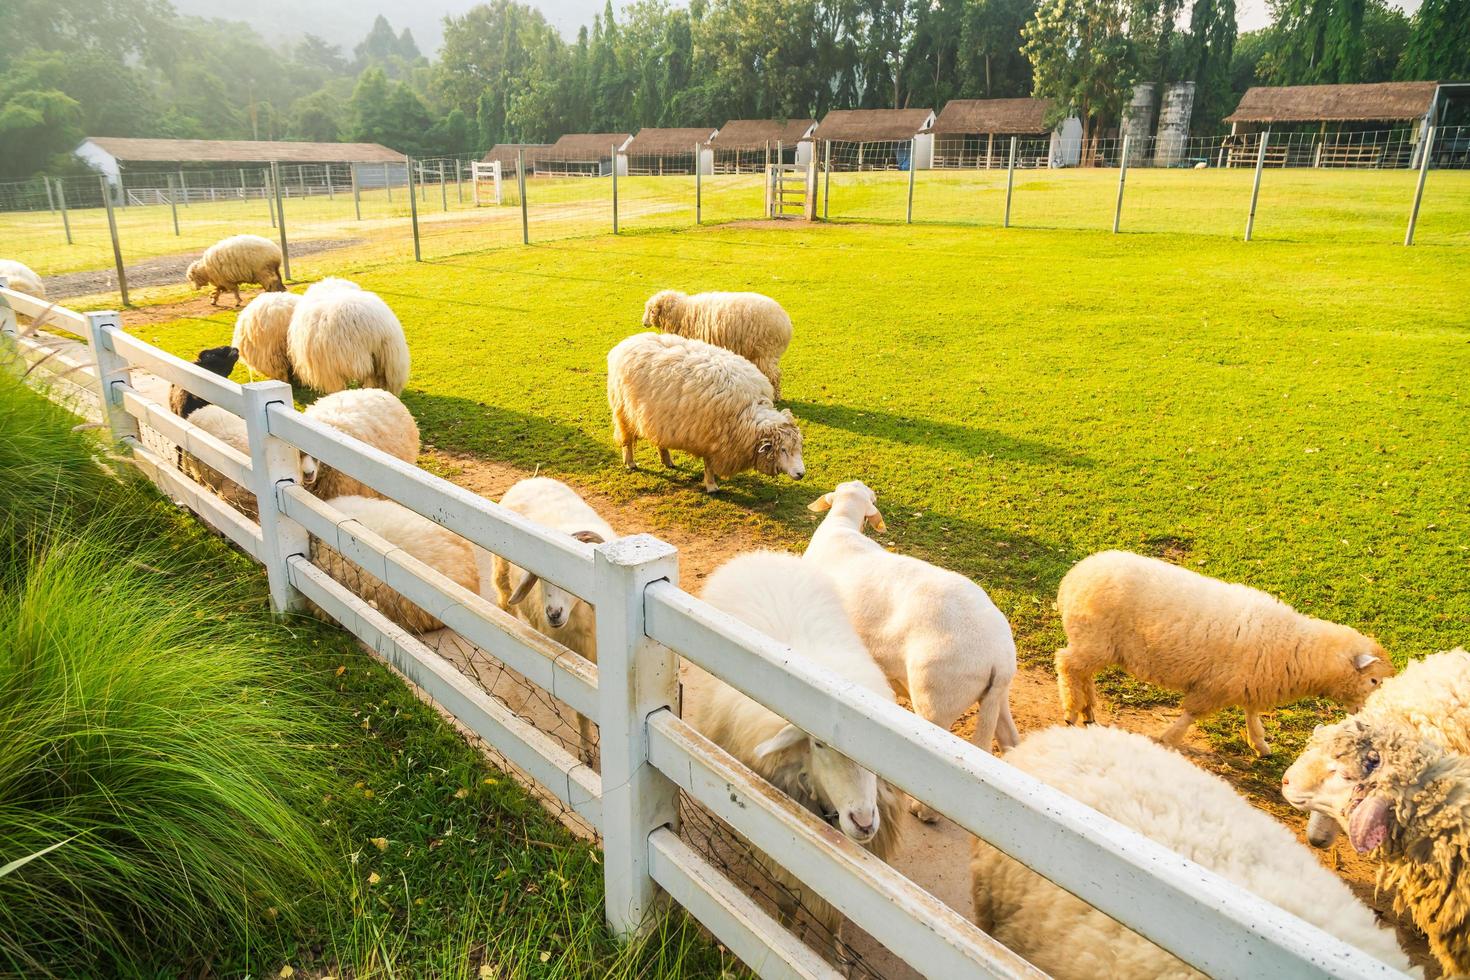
(346, 22)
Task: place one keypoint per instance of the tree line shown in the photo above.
(72, 68)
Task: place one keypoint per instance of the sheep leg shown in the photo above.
(237, 295)
(665, 458)
(1256, 732)
(1075, 671)
(937, 702)
(711, 484)
(628, 461)
(214, 299)
(584, 734)
(1175, 733)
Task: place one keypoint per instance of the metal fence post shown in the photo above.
(1010, 182)
(1419, 185)
(443, 189)
(913, 166)
(698, 188)
(388, 181)
(459, 181)
(50, 198)
(1122, 177)
(173, 204)
(827, 180)
(111, 369)
(61, 200)
(636, 677)
(272, 463)
(356, 191)
(1250, 220)
(268, 194)
(615, 188)
(423, 187)
(331, 181)
(184, 188)
(244, 188)
(281, 223)
(122, 276)
(413, 211)
(521, 187)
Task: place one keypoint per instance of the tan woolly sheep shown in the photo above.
(751, 325)
(22, 279)
(229, 429)
(227, 264)
(1168, 799)
(341, 334)
(370, 415)
(1219, 643)
(701, 399)
(439, 548)
(260, 334)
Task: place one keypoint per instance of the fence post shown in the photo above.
(356, 191)
(122, 276)
(273, 462)
(184, 187)
(826, 179)
(521, 186)
(331, 181)
(244, 188)
(50, 198)
(1122, 177)
(9, 327)
(61, 200)
(459, 181)
(173, 204)
(913, 166)
(636, 677)
(1250, 220)
(111, 369)
(698, 187)
(268, 194)
(122, 194)
(388, 181)
(1010, 182)
(281, 223)
(615, 188)
(443, 189)
(1419, 185)
(413, 211)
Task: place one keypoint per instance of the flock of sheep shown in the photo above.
(1392, 776)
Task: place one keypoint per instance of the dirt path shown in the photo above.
(166, 270)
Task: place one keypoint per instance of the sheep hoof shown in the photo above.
(1262, 750)
(921, 811)
(711, 488)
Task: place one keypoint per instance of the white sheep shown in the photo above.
(438, 547)
(1432, 696)
(692, 396)
(750, 324)
(340, 334)
(229, 429)
(791, 601)
(228, 263)
(1406, 800)
(1219, 643)
(370, 415)
(1164, 797)
(260, 334)
(939, 639)
(546, 607)
(22, 278)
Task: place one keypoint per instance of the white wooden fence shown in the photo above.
(645, 622)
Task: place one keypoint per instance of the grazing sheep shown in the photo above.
(1218, 642)
(340, 334)
(547, 608)
(439, 548)
(1408, 799)
(260, 334)
(790, 601)
(937, 636)
(751, 325)
(692, 396)
(1432, 696)
(370, 415)
(1164, 797)
(22, 278)
(228, 263)
(229, 429)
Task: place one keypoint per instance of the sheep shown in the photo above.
(548, 608)
(1161, 795)
(686, 394)
(441, 549)
(1219, 643)
(370, 415)
(1432, 696)
(793, 602)
(1404, 797)
(751, 325)
(239, 259)
(937, 636)
(229, 429)
(22, 278)
(330, 283)
(216, 360)
(260, 334)
(340, 334)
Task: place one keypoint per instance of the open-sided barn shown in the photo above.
(879, 139)
(583, 155)
(508, 155)
(747, 145)
(667, 151)
(978, 132)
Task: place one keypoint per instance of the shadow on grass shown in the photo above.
(506, 435)
(967, 440)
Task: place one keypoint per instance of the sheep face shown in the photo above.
(1368, 667)
(557, 604)
(857, 498)
(196, 275)
(218, 360)
(846, 792)
(778, 447)
(1310, 785)
(657, 312)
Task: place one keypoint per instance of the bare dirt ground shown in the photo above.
(165, 270)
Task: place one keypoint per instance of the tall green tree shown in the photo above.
(1209, 49)
(1081, 57)
(1320, 41)
(1439, 42)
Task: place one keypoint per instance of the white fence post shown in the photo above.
(1424, 152)
(111, 369)
(1010, 182)
(273, 462)
(1122, 179)
(1250, 220)
(635, 677)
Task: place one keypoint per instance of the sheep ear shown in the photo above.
(787, 738)
(1369, 824)
(525, 587)
(824, 502)
(590, 537)
(875, 521)
(1362, 660)
(764, 447)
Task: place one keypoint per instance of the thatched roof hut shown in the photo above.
(874, 125)
(756, 134)
(993, 116)
(1376, 102)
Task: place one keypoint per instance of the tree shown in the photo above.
(1321, 41)
(1439, 41)
(990, 57)
(1209, 50)
(316, 118)
(1080, 57)
(35, 125)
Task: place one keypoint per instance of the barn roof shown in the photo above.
(651, 142)
(1377, 102)
(745, 134)
(872, 125)
(585, 146)
(993, 116)
(507, 153)
(130, 150)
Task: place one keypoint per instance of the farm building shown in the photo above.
(1371, 125)
(213, 169)
(583, 155)
(509, 154)
(879, 139)
(668, 151)
(747, 145)
(977, 133)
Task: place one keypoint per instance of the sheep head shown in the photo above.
(659, 310)
(557, 604)
(196, 275)
(218, 360)
(854, 498)
(846, 793)
(1302, 785)
(1362, 665)
(778, 445)
(1373, 769)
